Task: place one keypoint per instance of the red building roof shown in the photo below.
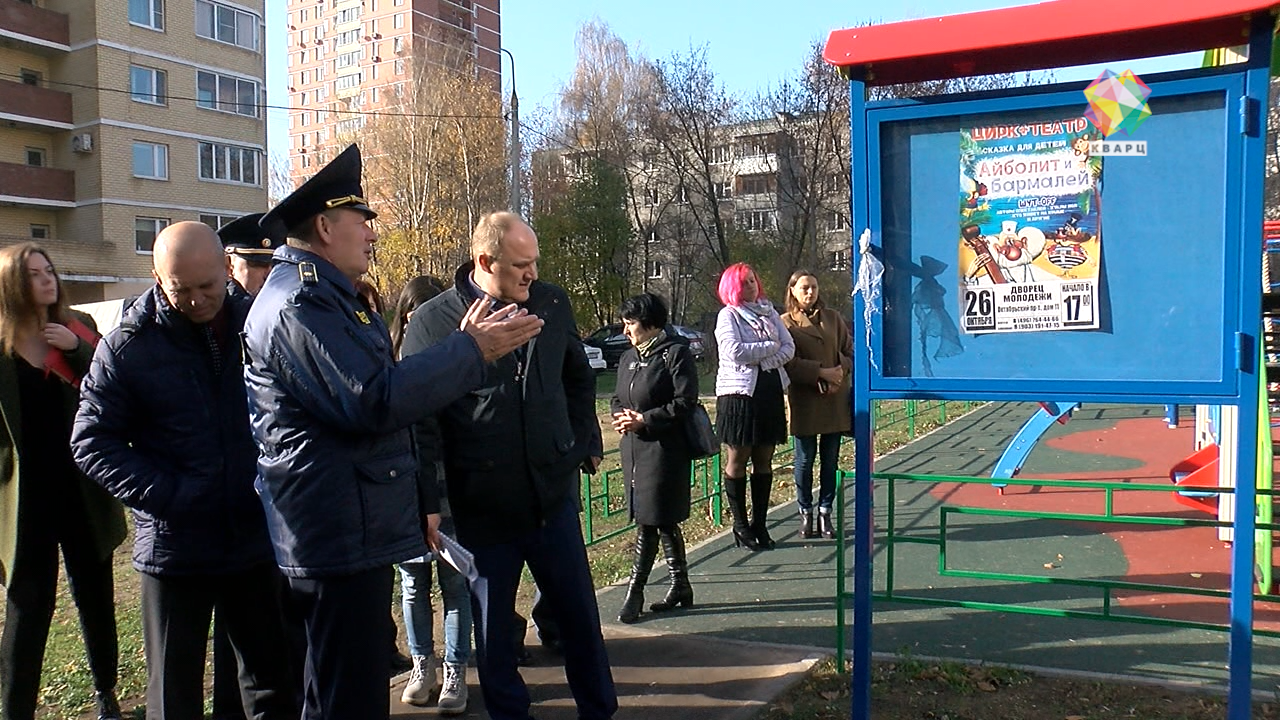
(1059, 33)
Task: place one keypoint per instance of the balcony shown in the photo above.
(34, 108)
(31, 186)
(34, 29)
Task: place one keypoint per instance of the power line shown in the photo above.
(380, 113)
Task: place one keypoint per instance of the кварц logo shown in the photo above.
(1117, 107)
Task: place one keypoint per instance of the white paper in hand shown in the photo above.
(458, 556)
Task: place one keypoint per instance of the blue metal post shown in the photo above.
(863, 439)
(1253, 125)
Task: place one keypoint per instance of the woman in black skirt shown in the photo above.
(750, 381)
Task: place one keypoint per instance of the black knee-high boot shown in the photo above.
(761, 487)
(645, 552)
(735, 493)
(680, 592)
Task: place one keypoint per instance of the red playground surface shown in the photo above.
(1185, 556)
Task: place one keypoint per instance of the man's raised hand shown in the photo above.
(501, 331)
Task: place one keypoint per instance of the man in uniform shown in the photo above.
(163, 426)
(331, 411)
(249, 251)
(511, 455)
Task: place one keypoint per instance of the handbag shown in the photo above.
(698, 430)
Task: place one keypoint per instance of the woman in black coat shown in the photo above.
(657, 387)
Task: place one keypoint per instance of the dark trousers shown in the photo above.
(347, 673)
(30, 599)
(227, 704)
(176, 611)
(557, 558)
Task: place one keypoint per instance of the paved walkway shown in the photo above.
(762, 619)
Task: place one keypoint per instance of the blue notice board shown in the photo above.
(1169, 275)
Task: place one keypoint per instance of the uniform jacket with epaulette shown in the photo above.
(169, 437)
(331, 411)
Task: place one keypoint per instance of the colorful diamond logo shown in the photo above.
(1117, 103)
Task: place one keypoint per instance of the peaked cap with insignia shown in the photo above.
(336, 185)
(246, 238)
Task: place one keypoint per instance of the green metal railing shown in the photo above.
(604, 498)
(892, 538)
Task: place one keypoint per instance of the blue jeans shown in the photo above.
(415, 601)
(807, 449)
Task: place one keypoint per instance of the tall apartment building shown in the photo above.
(120, 117)
(345, 56)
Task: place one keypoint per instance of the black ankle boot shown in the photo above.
(681, 592)
(108, 707)
(761, 487)
(806, 525)
(646, 550)
(825, 525)
(735, 493)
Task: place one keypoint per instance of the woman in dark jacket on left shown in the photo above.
(45, 502)
(657, 387)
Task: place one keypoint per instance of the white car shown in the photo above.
(595, 356)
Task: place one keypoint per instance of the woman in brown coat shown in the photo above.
(45, 503)
(819, 396)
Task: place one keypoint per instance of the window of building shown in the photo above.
(724, 190)
(147, 13)
(761, 184)
(653, 270)
(651, 237)
(225, 93)
(836, 221)
(755, 146)
(346, 81)
(721, 153)
(150, 160)
(306, 161)
(397, 22)
(373, 71)
(229, 163)
(756, 220)
(29, 77)
(40, 232)
(347, 59)
(347, 15)
(346, 38)
(682, 195)
(651, 196)
(227, 24)
(35, 157)
(399, 67)
(145, 230)
(397, 3)
(216, 221)
(148, 85)
(838, 259)
(290, 59)
(398, 44)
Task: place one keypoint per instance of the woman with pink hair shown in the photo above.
(751, 418)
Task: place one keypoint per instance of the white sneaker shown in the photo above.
(453, 690)
(422, 680)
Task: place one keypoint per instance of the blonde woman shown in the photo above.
(819, 396)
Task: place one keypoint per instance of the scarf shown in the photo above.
(646, 348)
(56, 362)
(760, 316)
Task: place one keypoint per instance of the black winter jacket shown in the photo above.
(511, 448)
(663, 387)
(170, 438)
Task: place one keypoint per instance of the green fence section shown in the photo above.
(891, 538)
(604, 496)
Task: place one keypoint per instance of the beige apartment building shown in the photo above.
(119, 117)
(348, 56)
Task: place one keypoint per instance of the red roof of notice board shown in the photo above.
(1059, 33)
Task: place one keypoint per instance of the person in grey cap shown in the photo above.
(331, 411)
(249, 251)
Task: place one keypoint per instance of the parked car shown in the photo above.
(595, 356)
(612, 343)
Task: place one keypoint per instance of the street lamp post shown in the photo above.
(515, 138)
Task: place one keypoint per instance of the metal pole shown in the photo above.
(515, 138)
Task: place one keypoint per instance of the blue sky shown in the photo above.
(749, 49)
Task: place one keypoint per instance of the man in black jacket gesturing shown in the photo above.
(511, 452)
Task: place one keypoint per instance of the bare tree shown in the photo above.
(435, 161)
